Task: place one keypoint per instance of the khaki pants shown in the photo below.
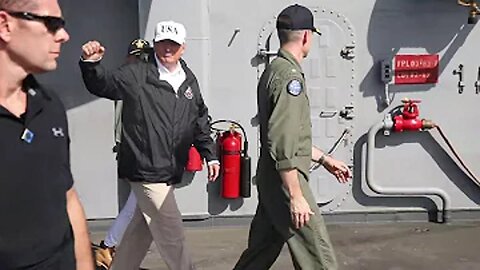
(271, 228)
(156, 218)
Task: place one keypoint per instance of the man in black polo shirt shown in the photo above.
(43, 224)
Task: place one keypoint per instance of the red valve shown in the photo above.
(408, 120)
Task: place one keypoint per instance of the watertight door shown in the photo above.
(330, 75)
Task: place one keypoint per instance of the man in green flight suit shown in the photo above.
(287, 211)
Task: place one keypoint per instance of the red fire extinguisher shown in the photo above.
(194, 162)
(235, 162)
(231, 144)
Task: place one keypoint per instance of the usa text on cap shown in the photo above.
(170, 30)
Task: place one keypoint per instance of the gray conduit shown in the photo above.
(387, 125)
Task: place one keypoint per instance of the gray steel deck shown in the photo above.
(372, 246)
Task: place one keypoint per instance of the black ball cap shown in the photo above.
(296, 17)
(137, 46)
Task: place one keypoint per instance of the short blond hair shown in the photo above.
(286, 36)
(20, 5)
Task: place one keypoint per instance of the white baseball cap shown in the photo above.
(170, 30)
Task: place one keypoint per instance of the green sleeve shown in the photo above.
(284, 124)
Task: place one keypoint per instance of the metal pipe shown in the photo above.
(387, 125)
(387, 95)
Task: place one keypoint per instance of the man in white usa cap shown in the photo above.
(163, 115)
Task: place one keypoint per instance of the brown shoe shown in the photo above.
(104, 255)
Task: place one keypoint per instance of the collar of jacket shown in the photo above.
(153, 75)
(290, 58)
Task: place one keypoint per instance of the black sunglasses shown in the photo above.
(52, 23)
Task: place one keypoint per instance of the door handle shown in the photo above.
(265, 53)
(328, 114)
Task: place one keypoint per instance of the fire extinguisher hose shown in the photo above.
(245, 144)
(471, 175)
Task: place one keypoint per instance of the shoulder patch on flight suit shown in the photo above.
(294, 87)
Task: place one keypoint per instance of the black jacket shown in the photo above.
(159, 126)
